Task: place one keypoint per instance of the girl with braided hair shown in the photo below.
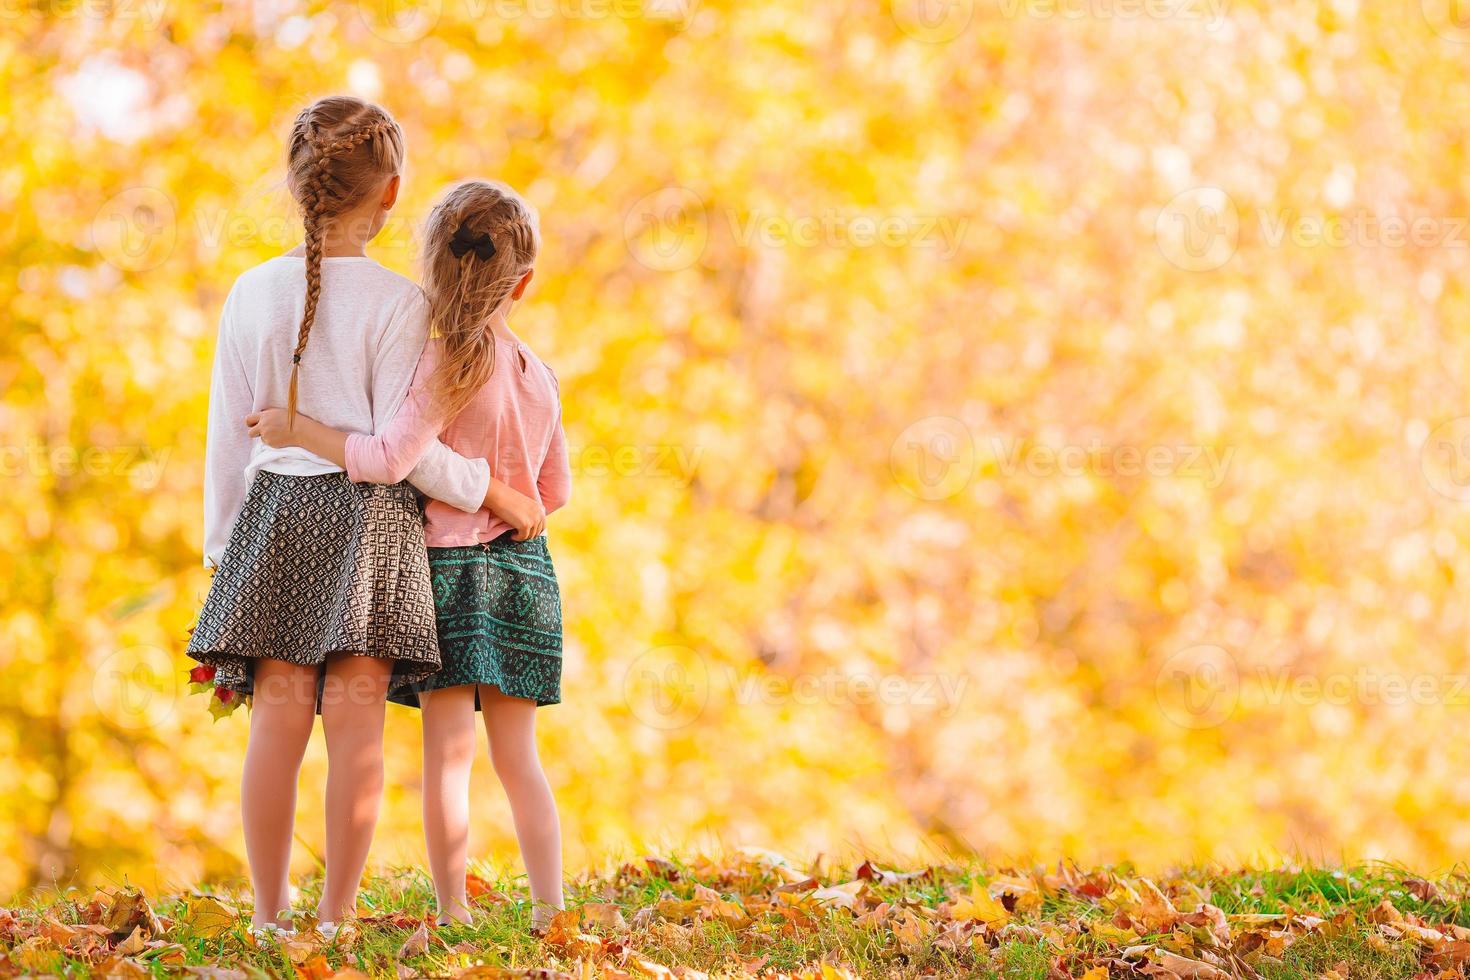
(499, 609)
(321, 594)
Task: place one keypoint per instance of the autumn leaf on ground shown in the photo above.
(417, 944)
(1165, 964)
(978, 906)
(843, 896)
(910, 930)
(208, 918)
(123, 968)
(868, 871)
(34, 955)
(315, 968)
(479, 891)
(662, 868)
(604, 916)
(134, 944)
(563, 926)
(713, 905)
(130, 910)
(1016, 895)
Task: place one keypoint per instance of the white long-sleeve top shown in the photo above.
(371, 325)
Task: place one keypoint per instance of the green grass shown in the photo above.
(732, 917)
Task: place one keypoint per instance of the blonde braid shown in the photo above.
(322, 192)
(313, 207)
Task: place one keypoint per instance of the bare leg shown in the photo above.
(449, 755)
(510, 724)
(353, 699)
(282, 713)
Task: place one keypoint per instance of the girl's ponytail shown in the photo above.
(341, 148)
(480, 239)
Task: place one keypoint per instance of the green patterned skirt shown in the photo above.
(498, 610)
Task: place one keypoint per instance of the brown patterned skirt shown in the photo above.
(318, 565)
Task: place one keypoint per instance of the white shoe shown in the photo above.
(328, 930)
(271, 931)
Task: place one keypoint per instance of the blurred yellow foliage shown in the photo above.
(1016, 427)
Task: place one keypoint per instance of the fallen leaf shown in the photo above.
(129, 910)
(34, 955)
(1424, 891)
(843, 896)
(316, 968)
(715, 906)
(208, 917)
(122, 968)
(562, 927)
(911, 930)
(662, 868)
(604, 916)
(417, 944)
(134, 944)
(978, 906)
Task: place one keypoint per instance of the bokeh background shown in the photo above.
(1033, 428)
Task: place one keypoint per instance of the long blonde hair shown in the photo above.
(480, 239)
(340, 149)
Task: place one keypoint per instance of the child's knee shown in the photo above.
(290, 731)
(356, 726)
(450, 753)
(286, 721)
(515, 765)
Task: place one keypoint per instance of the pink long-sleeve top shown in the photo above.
(514, 422)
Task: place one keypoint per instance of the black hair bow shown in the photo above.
(465, 240)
